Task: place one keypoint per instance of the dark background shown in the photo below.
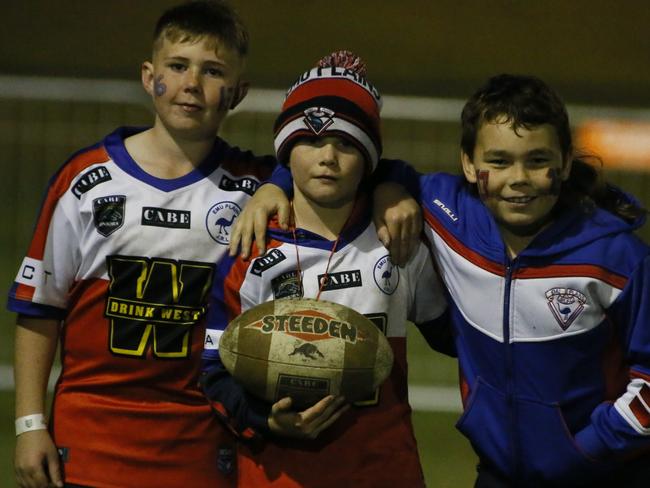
(591, 51)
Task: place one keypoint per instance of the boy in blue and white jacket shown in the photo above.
(549, 294)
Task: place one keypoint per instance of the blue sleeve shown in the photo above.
(623, 427)
(243, 414)
(401, 172)
(439, 334)
(281, 177)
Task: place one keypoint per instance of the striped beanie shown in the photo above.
(332, 99)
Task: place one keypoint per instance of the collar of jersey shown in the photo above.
(359, 221)
(114, 144)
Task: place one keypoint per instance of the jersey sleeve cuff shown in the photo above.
(35, 309)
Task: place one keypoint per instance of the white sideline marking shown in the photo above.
(422, 398)
(265, 100)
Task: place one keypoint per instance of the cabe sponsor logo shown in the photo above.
(247, 185)
(340, 280)
(89, 180)
(163, 217)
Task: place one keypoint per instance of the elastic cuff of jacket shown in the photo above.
(258, 415)
(590, 443)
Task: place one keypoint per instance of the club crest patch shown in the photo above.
(219, 220)
(318, 119)
(226, 460)
(566, 304)
(108, 213)
(287, 285)
(386, 275)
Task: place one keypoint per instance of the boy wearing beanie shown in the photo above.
(328, 134)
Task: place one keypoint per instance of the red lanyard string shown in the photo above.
(325, 277)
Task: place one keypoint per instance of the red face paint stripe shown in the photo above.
(640, 412)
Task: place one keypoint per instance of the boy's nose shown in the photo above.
(191, 80)
(518, 173)
(328, 153)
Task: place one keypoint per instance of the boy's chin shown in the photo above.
(523, 228)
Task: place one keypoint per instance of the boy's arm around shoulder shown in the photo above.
(429, 311)
(396, 209)
(270, 199)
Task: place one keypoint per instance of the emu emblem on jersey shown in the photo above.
(318, 119)
(386, 275)
(108, 213)
(220, 219)
(565, 304)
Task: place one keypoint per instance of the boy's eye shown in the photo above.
(496, 161)
(214, 71)
(177, 66)
(539, 161)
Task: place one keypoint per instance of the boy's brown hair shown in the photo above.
(212, 19)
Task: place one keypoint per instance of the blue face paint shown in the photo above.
(159, 88)
(227, 95)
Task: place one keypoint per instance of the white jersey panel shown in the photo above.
(361, 276)
(128, 217)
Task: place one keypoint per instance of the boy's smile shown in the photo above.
(517, 173)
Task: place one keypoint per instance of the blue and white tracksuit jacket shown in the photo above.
(554, 345)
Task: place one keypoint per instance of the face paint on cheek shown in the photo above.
(482, 178)
(554, 174)
(159, 88)
(227, 95)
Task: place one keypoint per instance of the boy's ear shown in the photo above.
(240, 93)
(468, 167)
(146, 72)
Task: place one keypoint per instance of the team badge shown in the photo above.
(108, 213)
(318, 119)
(287, 285)
(566, 304)
(226, 460)
(386, 275)
(220, 219)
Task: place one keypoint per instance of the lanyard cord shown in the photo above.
(324, 280)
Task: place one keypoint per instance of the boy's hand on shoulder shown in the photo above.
(252, 222)
(398, 219)
(37, 461)
(309, 423)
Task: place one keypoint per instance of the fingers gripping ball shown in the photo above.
(305, 349)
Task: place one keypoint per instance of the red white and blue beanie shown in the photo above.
(333, 99)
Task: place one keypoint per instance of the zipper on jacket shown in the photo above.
(510, 371)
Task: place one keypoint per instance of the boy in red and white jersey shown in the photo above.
(118, 271)
(328, 133)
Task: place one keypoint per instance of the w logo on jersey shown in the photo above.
(565, 304)
(318, 119)
(154, 301)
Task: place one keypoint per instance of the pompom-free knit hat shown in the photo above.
(332, 99)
